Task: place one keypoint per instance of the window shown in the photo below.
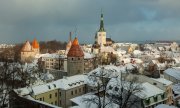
(78, 58)
(50, 96)
(60, 102)
(55, 102)
(43, 98)
(116, 88)
(75, 91)
(72, 58)
(49, 87)
(40, 99)
(59, 93)
(55, 94)
(154, 83)
(51, 102)
(79, 89)
(110, 87)
(54, 85)
(71, 92)
(83, 88)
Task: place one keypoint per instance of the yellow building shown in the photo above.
(57, 93)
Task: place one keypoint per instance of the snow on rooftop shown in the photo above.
(173, 72)
(176, 88)
(23, 91)
(164, 106)
(47, 55)
(163, 81)
(137, 52)
(149, 90)
(107, 49)
(88, 55)
(65, 84)
(80, 101)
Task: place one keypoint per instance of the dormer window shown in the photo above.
(116, 88)
(49, 86)
(54, 85)
(110, 87)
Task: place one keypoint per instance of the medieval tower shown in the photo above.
(75, 59)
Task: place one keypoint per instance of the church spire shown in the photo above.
(101, 29)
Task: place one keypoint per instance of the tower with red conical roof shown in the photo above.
(29, 51)
(35, 46)
(75, 59)
(26, 52)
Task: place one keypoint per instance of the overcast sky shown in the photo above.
(125, 20)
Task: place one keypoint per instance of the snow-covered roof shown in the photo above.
(120, 51)
(65, 84)
(149, 90)
(173, 72)
(107, 49)
(137, 52)
(23, 91)
(88, 55)
(163, 81)
(47, 55)
(164, 106)
(47, 76)
(82, 103)
(176, 88)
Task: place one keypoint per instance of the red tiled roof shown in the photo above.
(75, 50)
(35, 44)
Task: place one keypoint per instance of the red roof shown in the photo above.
(35, 44)
(75, 50)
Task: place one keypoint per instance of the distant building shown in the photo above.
(172, 74)
(29, 51)
(100, 38)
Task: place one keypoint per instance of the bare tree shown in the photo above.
(111, 88)
(14, 75)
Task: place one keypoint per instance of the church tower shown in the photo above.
(75, 59)
(101, 34)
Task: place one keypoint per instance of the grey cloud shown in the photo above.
(53, 19)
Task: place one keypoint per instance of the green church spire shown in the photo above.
(101, 29)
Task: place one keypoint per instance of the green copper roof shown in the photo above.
(101, 29)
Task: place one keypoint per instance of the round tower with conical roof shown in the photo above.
(26, 52)
(75, 59)
(35, 46)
